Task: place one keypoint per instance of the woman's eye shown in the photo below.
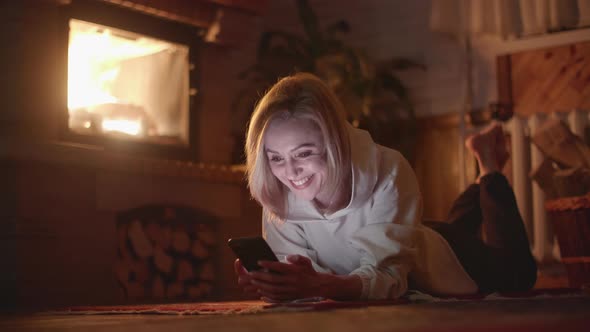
(304, 154)
(276, 159)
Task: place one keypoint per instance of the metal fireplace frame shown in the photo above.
(103, 13)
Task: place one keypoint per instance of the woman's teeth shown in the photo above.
(302, 181)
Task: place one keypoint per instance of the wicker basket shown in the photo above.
(571, 220)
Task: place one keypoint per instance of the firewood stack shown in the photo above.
(165, 253)
(565, 172)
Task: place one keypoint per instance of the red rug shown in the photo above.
(237, 307)
(251, 307)
(196, 308)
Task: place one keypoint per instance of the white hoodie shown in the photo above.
(378, 235)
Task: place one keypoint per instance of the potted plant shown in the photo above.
(374, 97)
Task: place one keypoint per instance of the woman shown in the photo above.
(347, 212)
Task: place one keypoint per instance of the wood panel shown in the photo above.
(437, 164)
(549, 80)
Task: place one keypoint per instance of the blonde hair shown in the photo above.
(302, 95)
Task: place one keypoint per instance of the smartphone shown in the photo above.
(250, 250)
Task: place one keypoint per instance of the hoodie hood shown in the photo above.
(364, 168)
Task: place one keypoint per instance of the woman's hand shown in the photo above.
(283, 281)
(244, 279)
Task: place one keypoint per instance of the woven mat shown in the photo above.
(252, 307)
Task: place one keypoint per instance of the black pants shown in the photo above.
(502, 261)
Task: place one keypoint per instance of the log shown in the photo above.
(543, 176)
(185, 270)
(194, 292)
(200, 290)
(124, 251)
(206, 288)
(158, 288)
(557, 142)
(207, 236)
(161, 236)
(207, 272)
(163, 261)
(175, 290)
(165, 239)
(139, 241)
(198, 250)
(153, 231)
(181, 242)
(140, 271)
(122, 270)
(135, 290)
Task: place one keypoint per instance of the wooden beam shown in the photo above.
(255, 7)
(197, 13)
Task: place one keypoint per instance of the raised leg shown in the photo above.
(502, 260)
(466, 212)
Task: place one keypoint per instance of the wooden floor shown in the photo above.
(549, 314)
(535, 314)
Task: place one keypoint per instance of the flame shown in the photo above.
(86, 82)
(95, 55)
(129, 127)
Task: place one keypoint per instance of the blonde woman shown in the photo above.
(346, 212)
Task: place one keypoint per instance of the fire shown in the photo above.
(87, 83)
(95, 56)
(129, 127)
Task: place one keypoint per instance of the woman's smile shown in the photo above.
(301, 184)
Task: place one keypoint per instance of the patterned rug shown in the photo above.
(252, 307)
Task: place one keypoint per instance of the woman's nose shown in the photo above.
(293, 169)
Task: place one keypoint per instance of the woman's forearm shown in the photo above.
(346, 287)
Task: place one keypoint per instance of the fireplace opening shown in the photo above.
(131, 80)
(127, 85)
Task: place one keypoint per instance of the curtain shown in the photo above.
(508, 19)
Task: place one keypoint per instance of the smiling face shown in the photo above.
(296, 156)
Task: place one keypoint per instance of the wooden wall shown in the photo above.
(437, 164)
(552, 79)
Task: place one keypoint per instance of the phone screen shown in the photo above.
(250, 250)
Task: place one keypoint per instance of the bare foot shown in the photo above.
(489, 148)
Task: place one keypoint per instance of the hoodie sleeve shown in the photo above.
(388, 242)
(286, 238)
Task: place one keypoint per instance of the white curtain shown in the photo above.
(508, 18)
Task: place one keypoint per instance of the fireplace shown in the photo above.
(65, 187)
(131, 80)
